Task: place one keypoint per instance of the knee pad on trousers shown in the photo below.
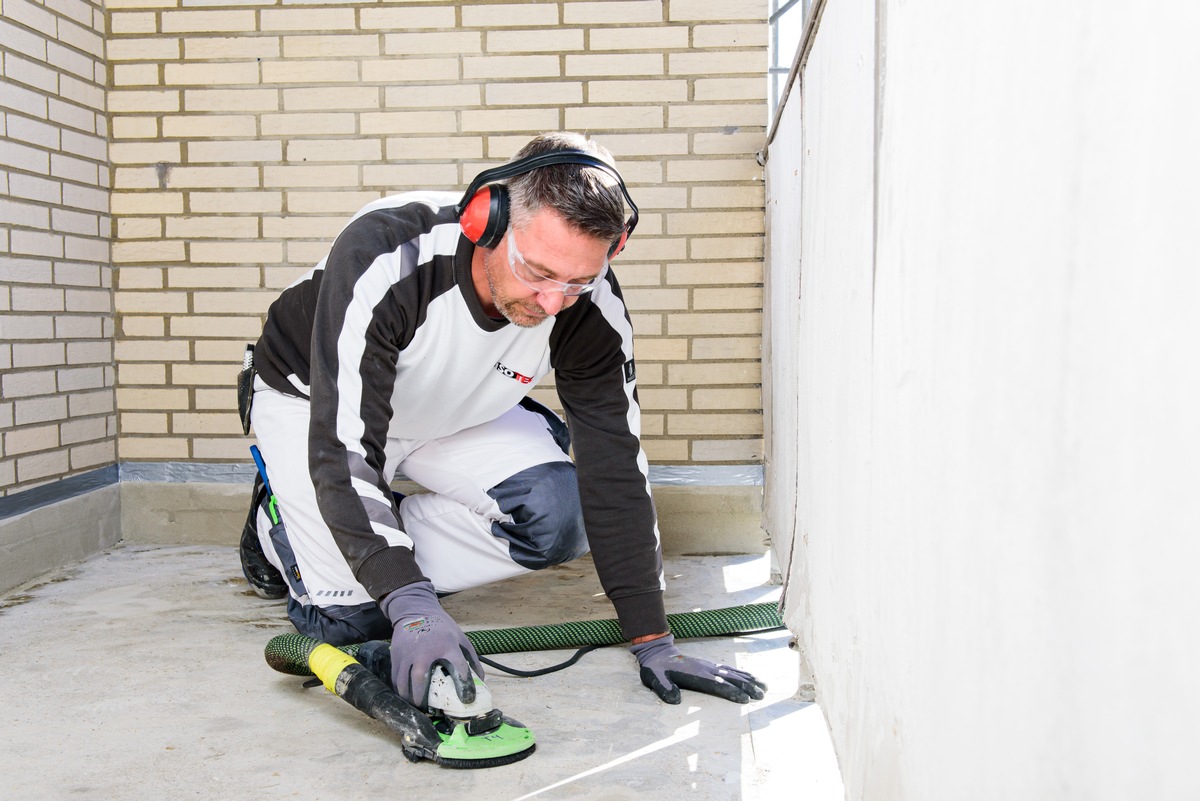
(547, 527)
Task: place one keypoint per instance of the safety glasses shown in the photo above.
(541, 283)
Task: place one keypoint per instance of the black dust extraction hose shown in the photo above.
(288, 653)
(368, 693)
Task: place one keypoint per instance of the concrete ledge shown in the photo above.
(171, 513)
(692, 519)
(48, 537)
(695, 520)
(189, 504)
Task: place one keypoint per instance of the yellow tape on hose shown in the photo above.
(328, 663)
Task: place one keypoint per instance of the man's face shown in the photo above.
(547, 254)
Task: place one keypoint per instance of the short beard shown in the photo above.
(512, 310)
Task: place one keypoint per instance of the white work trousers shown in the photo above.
(450, 526)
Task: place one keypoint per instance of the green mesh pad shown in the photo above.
(288, 653)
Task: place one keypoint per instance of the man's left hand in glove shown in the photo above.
(665, 670)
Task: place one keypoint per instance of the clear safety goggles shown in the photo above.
(542, 283)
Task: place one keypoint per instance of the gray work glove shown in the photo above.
(665, 670)
(424, 636)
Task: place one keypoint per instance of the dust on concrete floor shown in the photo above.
(138, 673)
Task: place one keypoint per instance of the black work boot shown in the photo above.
(264, 579)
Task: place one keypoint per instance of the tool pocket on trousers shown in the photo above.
(291, 571)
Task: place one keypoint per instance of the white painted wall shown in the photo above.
(996, 434)
(781, 324)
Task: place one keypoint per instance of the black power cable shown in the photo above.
(529, 674)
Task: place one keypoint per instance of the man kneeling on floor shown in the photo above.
(412, 347)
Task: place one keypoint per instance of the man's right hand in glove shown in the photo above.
(424, 636)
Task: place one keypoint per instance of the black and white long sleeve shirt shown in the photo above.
(387, 338)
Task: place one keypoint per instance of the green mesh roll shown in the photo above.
(288, 653)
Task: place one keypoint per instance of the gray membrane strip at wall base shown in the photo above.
(47, 494)
(219, 473)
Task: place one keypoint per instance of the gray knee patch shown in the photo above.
(547, 527)
(340, 625)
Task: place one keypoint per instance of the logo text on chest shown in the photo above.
(513, 374)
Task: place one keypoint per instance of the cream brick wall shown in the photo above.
(57, 409)
(243, 136)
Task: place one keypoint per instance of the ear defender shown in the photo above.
(483, 210)
(619, 245)
(485, 218)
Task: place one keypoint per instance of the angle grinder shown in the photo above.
(477, 734)
(447, 732)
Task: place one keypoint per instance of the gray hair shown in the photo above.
(588, 199)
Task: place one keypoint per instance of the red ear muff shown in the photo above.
(485, 218)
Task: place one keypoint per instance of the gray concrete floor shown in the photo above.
(138, 673)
